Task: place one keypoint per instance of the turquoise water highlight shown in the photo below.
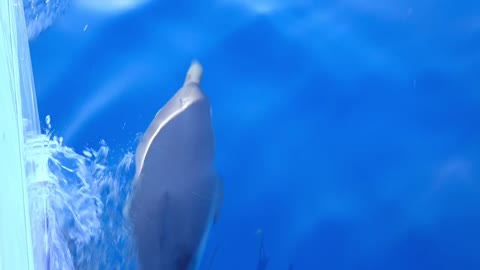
(19, 124)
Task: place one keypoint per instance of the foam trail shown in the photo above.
(62, 208)
(84, 196)
(58, 209)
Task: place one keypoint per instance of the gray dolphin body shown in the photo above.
(176, 192)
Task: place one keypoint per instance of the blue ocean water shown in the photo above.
(346, 131)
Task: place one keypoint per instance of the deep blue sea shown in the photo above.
(347, 132)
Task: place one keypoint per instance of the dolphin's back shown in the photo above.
(176, 184)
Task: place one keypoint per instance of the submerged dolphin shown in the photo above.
(176, 192)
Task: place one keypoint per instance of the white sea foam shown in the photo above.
(79, 202)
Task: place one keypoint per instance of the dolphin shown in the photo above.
(176, 194)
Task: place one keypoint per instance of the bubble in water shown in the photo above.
(40, 14)
(47, 122)
(87, 153)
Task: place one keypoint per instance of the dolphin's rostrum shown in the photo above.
(176, 192)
